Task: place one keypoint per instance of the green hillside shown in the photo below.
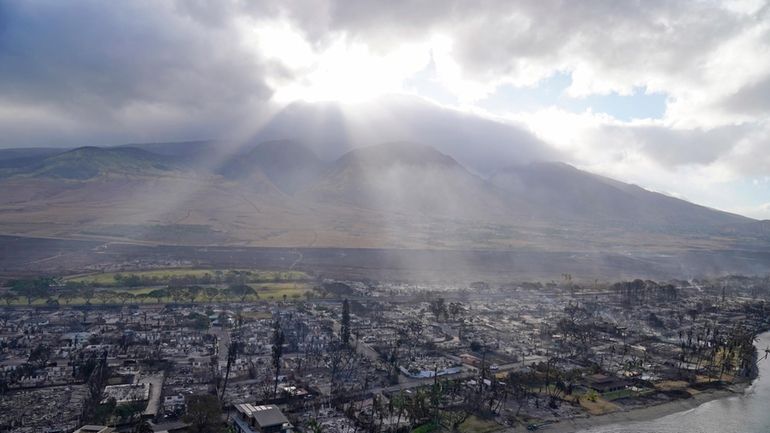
(88, 162)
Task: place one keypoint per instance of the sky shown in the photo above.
(671, 95)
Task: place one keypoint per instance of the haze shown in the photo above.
(672, 96)
(384, 216)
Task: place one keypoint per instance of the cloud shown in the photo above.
(752, 99)
(93, 72)
(606, 46)
(483, 144)
(99, 59)
(108, 69)
(710, 58)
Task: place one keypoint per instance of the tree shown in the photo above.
(73, 286)
(177, 293)
(199, 321)
(40, 355)
(158, 294)
(8, 297)
(28, 289)
(518, 387)
(232, 355)
(315, 426)
(142, 426)
(125, 297)
(132, 280)
(210, 293)
(241, 291)
(438, 308)
(104, 411)
(204, 414)
(68, 296)
(88, 293)
(278, 340)
(51, 302)
(105, 295)
(345, 326)
(193, 292)
(30, 293)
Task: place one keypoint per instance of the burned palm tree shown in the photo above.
(232, 355)
(278, 340)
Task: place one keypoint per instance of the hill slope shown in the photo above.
(88, 162)
(289, 165)
(563, 193)
(406, 177)
(395, 195)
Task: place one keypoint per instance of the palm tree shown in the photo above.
(315, 426)
(398, 401)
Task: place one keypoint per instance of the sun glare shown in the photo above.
(341, 70)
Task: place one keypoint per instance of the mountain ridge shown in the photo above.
(396, 194)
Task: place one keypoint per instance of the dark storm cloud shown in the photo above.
(97, 65)
(89, 72)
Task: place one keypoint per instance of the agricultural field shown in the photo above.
(201, 276)
(179, 285)
(145, 295)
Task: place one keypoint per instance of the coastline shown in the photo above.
(647, 413)
(653, 412)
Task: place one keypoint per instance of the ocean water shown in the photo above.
(747, 413)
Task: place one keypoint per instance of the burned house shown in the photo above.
(260, 419)
(604, 384)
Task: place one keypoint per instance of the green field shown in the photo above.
(277, 290)
(108, 278)
(139, 295)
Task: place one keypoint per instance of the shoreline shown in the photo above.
(653, 412)
(641, 414)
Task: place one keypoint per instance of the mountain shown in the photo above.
(405, 177)
(393, 195)
(288, 164)
(88, 162)
(27, 153)
(19, 158)
(330, 129)
(563, 193)
(178, 149)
